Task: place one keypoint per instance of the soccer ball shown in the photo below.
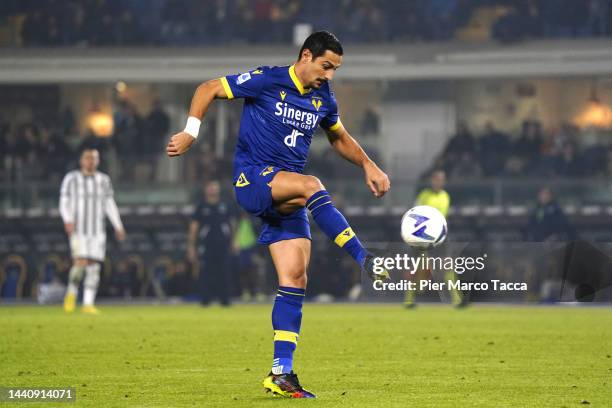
(423, 227)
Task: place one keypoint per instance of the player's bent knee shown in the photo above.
(294, 279)
(312, 185)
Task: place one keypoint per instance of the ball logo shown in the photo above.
(291, 140)
(420, 232)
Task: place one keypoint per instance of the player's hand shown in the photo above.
(179, 144)
(376, 179)
(120, 235)
(69, 228)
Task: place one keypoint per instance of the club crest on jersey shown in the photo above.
(243, 78)
(291, 140)
(282, 95)
(317, 103)
(267, 171)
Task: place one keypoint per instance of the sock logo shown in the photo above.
(291, 140)
(344, 237)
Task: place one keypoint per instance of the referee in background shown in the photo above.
(210, 244)
(435, 196)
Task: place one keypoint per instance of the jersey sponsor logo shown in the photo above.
(282, 95)
(296, 117)
(317, 103)
(243, 78)
(291, 140)
(242, 181)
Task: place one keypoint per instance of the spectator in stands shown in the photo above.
(592, 161)
(33, 30)
(52, 151)
(528, 147)
(210, 243)
(461, 142)
(465, 168)
(494, 150)
(547, 222)
(598, 17)
(188, 22)
(157, 125)
(567, 164)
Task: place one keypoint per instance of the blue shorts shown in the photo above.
(254, 195)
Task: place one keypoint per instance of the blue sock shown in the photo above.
(333, 223)
(286, 322)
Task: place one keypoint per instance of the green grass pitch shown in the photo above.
(349, 355)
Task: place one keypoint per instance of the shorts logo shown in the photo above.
(291, 140)
(267, 171)
(243, 78)
(282, 95)
(317, 103)
(242, 181)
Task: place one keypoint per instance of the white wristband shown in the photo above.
(193, 126)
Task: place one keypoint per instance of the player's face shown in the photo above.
(90, 159)
(438, 180)
(545, 196)
(212, 192)
(321, 69)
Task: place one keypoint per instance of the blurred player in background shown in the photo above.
(86, 196)
(210, 244)
(283, 108)
(249, 272)
(434, 196)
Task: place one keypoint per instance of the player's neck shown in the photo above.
(299, 73)
(87, 173)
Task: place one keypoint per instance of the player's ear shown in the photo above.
(306, 55)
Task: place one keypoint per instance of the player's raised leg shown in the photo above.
(290, 259)
(291, 191)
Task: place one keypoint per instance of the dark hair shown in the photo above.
(319, 42)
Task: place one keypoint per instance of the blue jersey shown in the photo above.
(279, 117)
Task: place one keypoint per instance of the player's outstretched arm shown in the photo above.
(346, 146)
(202, 98)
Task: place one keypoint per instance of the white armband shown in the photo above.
(193, 126)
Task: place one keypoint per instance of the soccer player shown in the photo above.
(86, 196)
(283, 107)
(435, 196)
